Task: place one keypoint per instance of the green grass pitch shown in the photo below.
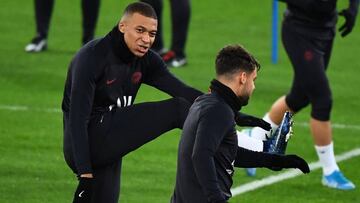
(32, 168)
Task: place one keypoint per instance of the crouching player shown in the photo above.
(208, 149)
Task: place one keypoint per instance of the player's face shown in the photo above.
(250, 83)
(139, 33)
(248, 86)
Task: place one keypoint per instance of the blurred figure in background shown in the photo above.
(180, 19)
(43, 12)
(308, 33)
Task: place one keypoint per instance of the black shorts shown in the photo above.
(310, 58)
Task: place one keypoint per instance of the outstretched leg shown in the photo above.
(131, 127)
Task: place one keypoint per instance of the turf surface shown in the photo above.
(32, 168)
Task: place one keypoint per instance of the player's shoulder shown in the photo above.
(152, 59)
(91, 55)
(94, 50)
(211, 103)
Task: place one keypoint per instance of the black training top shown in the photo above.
(208, 149)
(313, 18)
(103, 75)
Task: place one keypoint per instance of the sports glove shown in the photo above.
(242, 119)
(83, 191)
(350, 17)
(289, 161)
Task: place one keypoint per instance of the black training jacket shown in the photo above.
(208, 149)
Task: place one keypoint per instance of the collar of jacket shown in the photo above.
(227, 94)
(119, 46)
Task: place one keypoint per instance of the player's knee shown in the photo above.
(295, 104)
(321, 109)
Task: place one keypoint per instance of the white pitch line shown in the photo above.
(58, 110)
(26, 108)
(287, 175)
(333, 125)
(14, 108)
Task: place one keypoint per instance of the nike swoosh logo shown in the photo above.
(108, 82)
(80, 194)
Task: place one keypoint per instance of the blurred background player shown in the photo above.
(308, 32)
(180, 19)
(43, 12)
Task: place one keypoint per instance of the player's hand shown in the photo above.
(289, 161)
(242, 119)
(350, 17)
(83, 191)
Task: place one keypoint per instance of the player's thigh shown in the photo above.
(133, 126)
(297, 48)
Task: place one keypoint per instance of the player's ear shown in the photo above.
(242, 77)
(121, 27)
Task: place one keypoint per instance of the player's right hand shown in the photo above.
(350, 17)
(83, 191)
(289, 161)
(295, 161)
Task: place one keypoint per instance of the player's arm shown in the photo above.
(161, 78)
(243, 120)
(81, 100)
(211, 129)
(249, 159)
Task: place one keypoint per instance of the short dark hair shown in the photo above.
(141, 8)
(233, 58)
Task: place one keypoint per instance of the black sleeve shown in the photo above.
(81, 101)
(161, 78)
(250, 159)
(354, 5)
(212, 127)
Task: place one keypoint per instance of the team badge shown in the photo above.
(136, 77)
(308, 55)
